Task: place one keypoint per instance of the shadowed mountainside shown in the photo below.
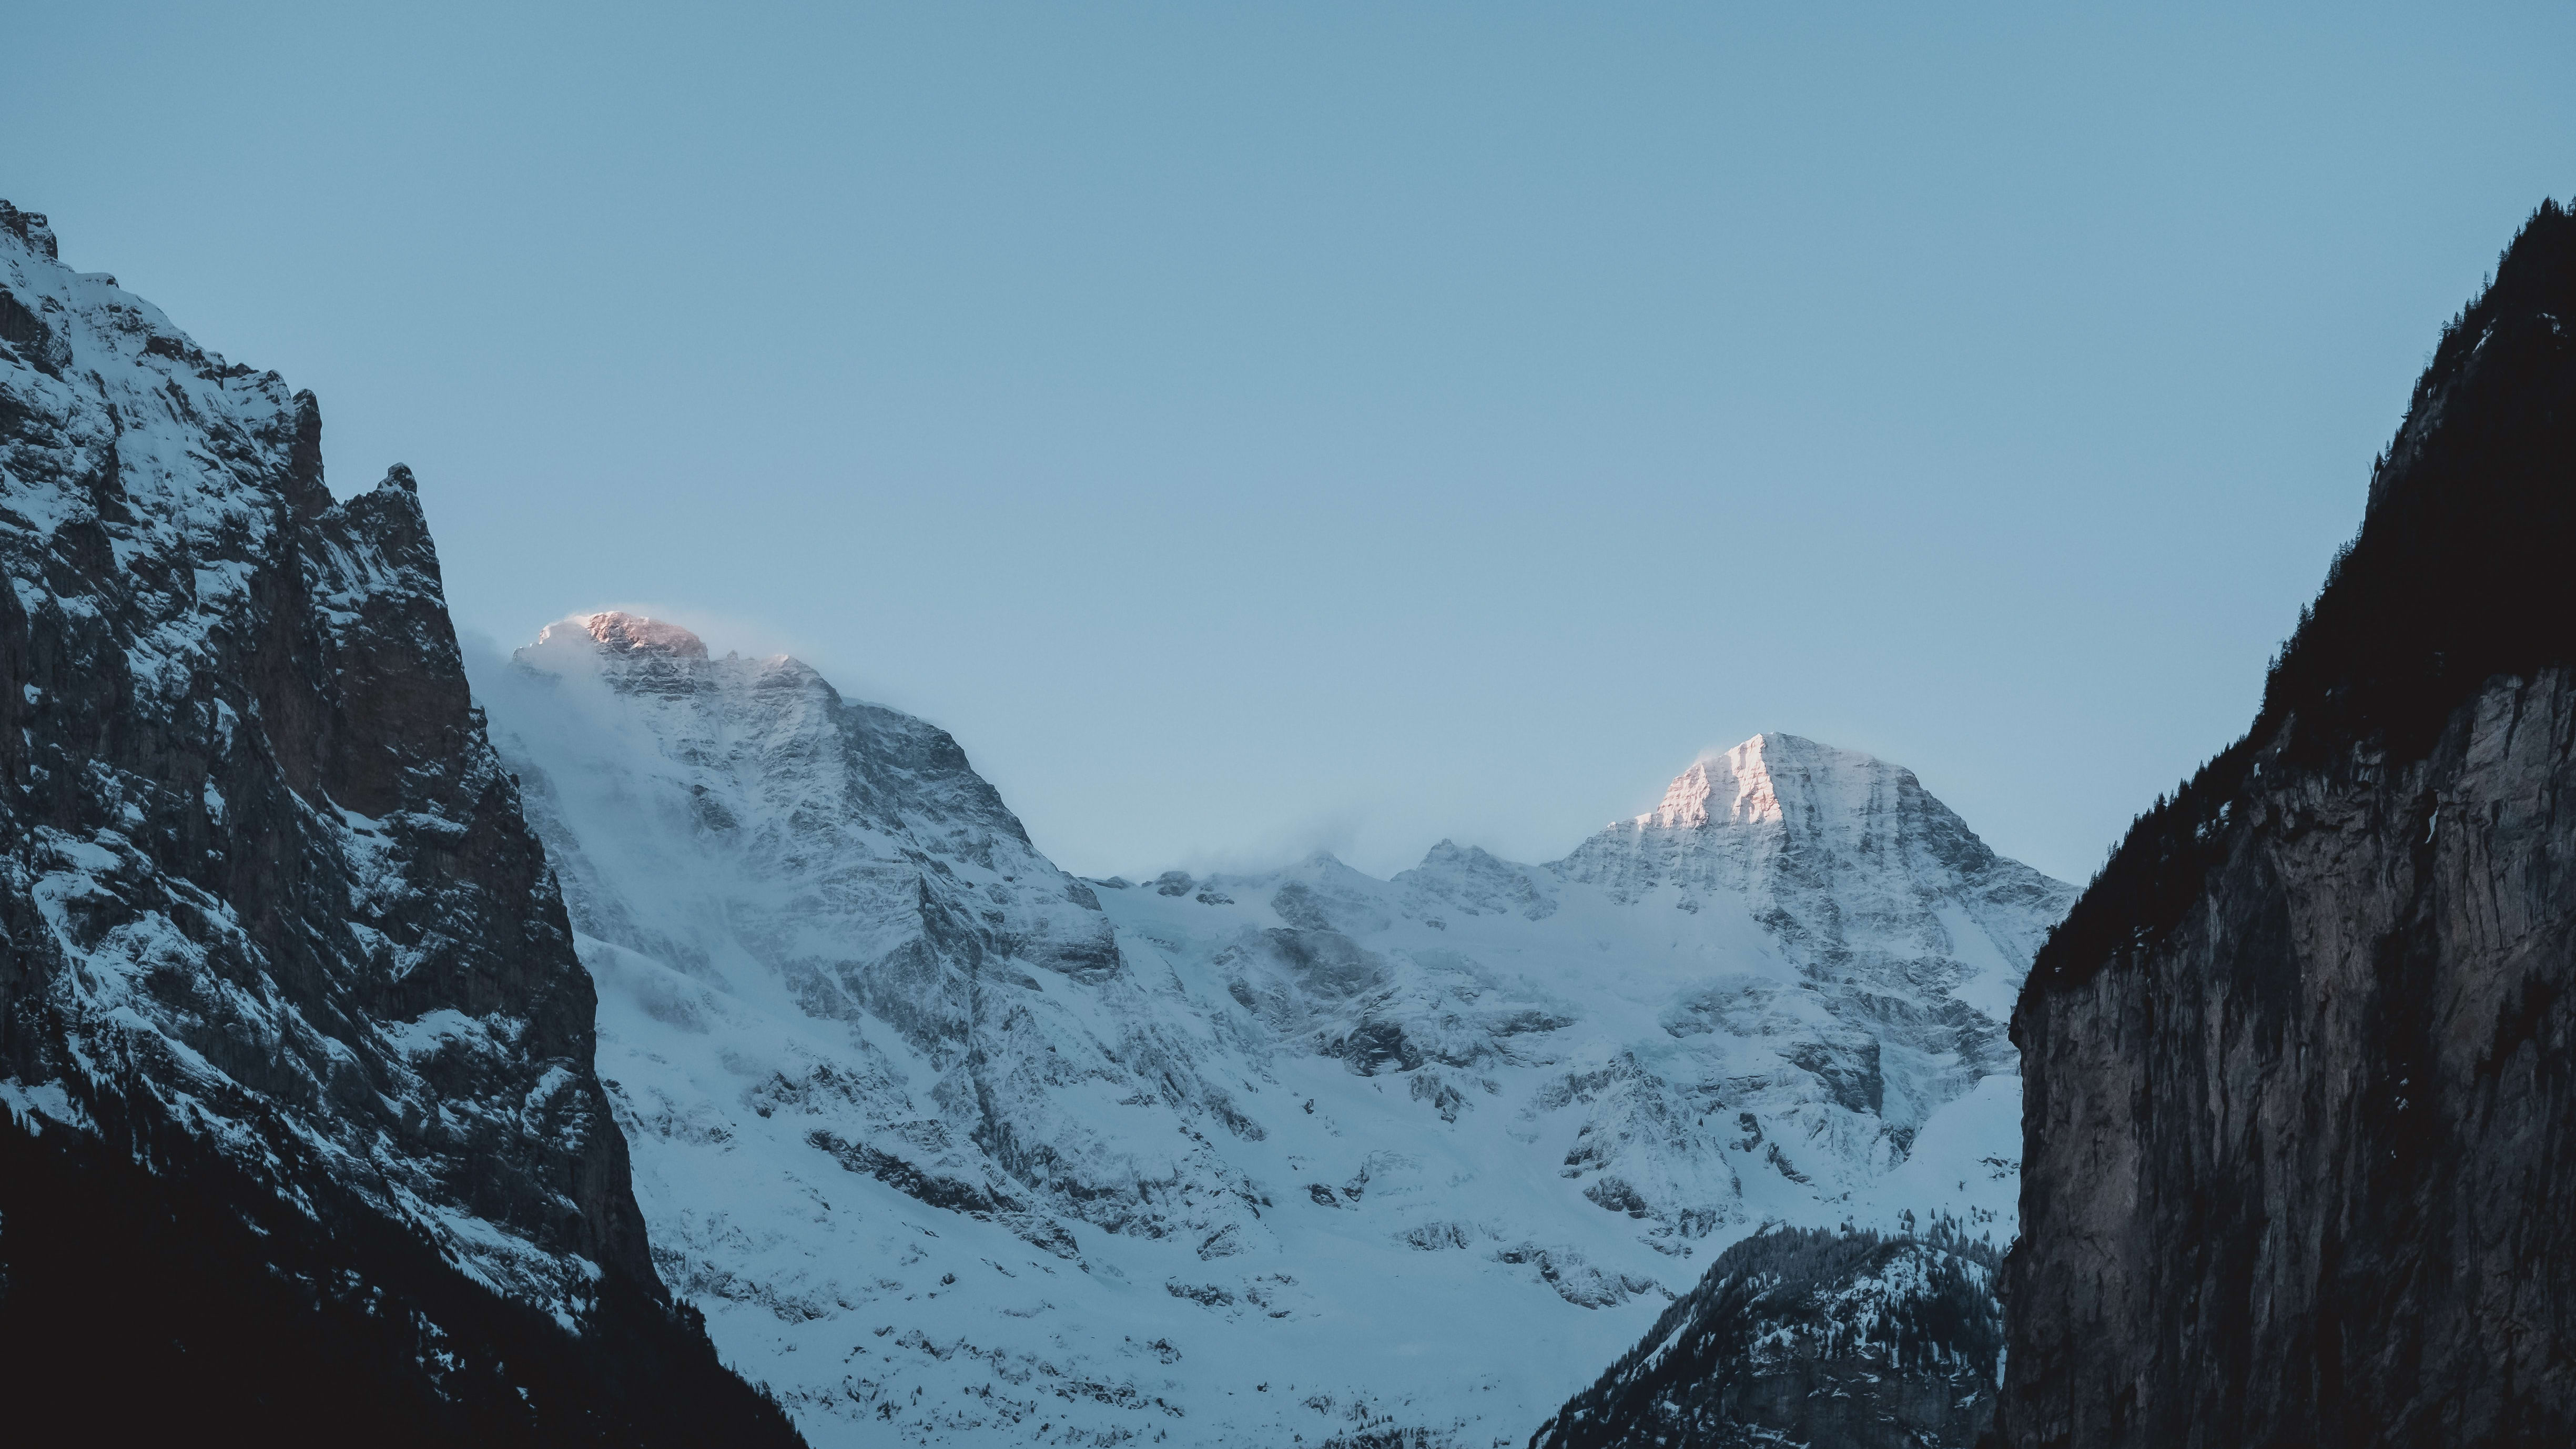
(295, 1054)
(2300, 1127)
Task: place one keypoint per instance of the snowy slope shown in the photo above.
(955, 1148)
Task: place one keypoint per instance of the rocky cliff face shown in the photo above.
(274, 922)
(1822, 1336)
(2300, 1126)
(955, 1148)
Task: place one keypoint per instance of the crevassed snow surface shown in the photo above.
(954, 1148)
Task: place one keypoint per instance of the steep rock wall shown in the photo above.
(280, 950)
(2300, 1127)
(264, 865)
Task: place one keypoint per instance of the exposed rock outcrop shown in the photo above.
(273, 921)
(2301, 1128)
(1825, 1337)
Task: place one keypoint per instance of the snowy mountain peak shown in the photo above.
(1745, 785)
(31, 228)
(1857, 873)
(618, 632)
(1779, 811)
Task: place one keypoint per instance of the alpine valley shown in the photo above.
(618, 1044)
(631, 1045)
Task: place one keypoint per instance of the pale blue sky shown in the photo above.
(1252, 428)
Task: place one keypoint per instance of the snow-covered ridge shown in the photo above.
(956, 1148)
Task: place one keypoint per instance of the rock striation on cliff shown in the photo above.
(2300, 1123)
(295, 1052)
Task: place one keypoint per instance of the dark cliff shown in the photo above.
(294, 1049)
(1848, 1339)
(2300, 1122)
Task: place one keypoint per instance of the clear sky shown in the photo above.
(1253, 428)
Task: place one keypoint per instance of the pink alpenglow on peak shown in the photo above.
(1742, 786)
(585, 644)
(633, 633)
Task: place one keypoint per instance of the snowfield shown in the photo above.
(952, 1147)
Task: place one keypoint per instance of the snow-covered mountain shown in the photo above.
(954, 1147)
(295, 1054)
